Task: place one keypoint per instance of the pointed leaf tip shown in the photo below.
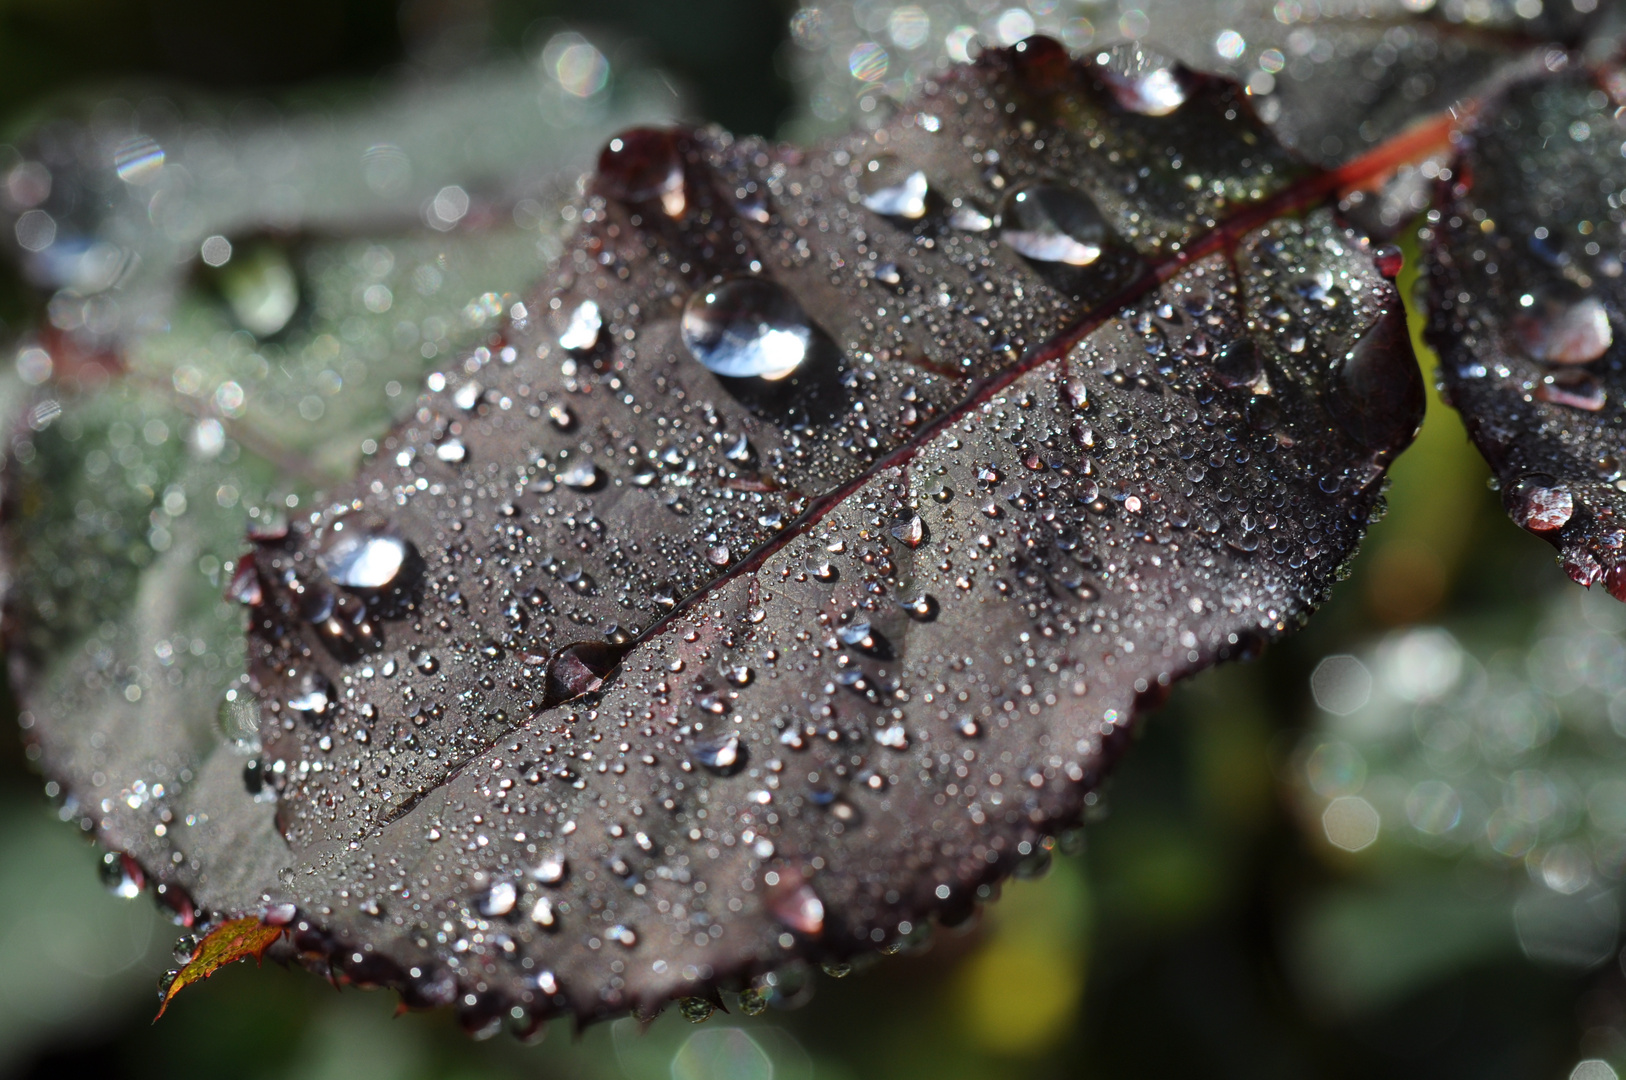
(227, 943)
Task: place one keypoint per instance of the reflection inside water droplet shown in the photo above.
(1050, 224)
(1559, 329)
(362, 560)
(746, 327)
(581, 332)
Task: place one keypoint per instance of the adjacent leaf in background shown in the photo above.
(1525, 287)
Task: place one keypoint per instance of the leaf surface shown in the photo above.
(791, 566)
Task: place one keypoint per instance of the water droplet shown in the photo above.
(1546, 509)
(361, 559)
(695, 1010)
(909, 529)
(753, 1002)
(562, 417)
(722, 755)
(892, 189)
(1389, 260)
(793, 902)
(579, 669)
(717, 555)
(311, 694)
(239, 715)
(1153, 91)
(499, 900)
(581, 331)
(1054, 225)
(1559, 328)
(887, 273)
(452, 451)
(623, 935)
(969, 218)
(1238, 364)
(467, 396)
(122, 875)
(919, 606)
(1378, 396)
(582, 476)
(542, 914)
(746, 326)
(644, 164)
(551, 870)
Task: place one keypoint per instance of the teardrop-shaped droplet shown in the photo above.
(359, 559)
(1559, 329)
(1054, 225)
(892, 189)
(644, 164)
(581, 332)
(1377, 394)
(746, 327)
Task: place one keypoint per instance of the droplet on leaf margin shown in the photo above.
(1378, 395)
(1546, 509)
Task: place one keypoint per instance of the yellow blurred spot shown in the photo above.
(1020, 997)
(1019, 994)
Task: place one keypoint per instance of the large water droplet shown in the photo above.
(499, 900)
(1559, 329)
(1377, 394)
(1144, 82)
(311, 694)
(579, 669)
(746, 327)
(644, 164)
(358, 559)
(1054, 225)
(722, 755)
(891, 188)
(793, 902)
(1238, 364)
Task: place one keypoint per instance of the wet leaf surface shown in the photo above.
(1525, 285)
(227, 943)
(790, 566)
